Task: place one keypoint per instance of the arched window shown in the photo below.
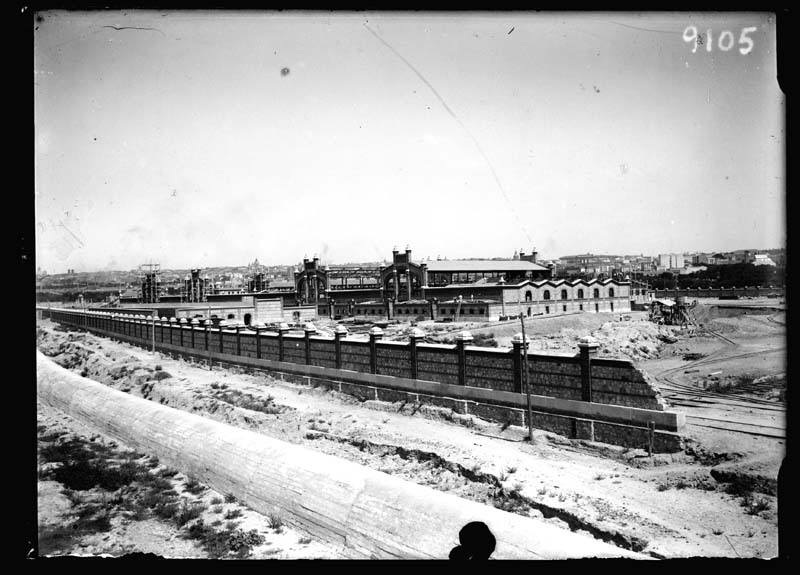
(610, 292)
(247, 318)
(563, 294)
(580, 294)
(230, 316)
(546, 294)
(528, 295)
(596, 293)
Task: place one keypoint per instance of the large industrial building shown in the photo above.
(457, 290)
(453, 289)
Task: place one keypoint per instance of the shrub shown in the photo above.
(188, 511)
(214, 542)
(484, 340)
(233, 513)
(161, 375)
(194, 487)
(230, 498)
(275, 521)
(755, 505)
(168, 472)
(239, 539)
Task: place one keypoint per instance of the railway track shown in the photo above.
(687, 395)
(745, 427)
(685, 391)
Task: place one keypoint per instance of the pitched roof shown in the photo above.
(482, 266)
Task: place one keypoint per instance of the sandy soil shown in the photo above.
(678, 505)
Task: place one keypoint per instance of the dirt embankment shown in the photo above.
(667, 506)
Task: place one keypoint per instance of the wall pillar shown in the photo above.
(238, 339)
(259, 328)
(462, 339)
(181, 325)
(413, 336)
(516, 344)
(172, 324)
(309, 329)
(221, 331)
(588, 348)
(338, 333)
(192, 327)
(375, 334)
(161, 323)
(282, 329)
(208, 329)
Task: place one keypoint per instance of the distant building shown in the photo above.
(671, 261)
(718, 259)
(762, 260)
(195, 288)
(590, 265)
(692, 269)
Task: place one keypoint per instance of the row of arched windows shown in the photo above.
(565, 294)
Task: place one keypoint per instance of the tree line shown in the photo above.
(722, 276)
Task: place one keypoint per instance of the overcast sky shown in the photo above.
(197, 139)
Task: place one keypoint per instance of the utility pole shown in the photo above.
(154, 332)
(525, 378)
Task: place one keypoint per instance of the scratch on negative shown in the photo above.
(457, 119)
(70, 233)
(134, 28)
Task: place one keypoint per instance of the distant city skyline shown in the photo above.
(198, 139)
(416, 258)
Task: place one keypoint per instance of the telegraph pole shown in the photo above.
(525, 378)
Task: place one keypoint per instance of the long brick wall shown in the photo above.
(480, 381)
(612, 381)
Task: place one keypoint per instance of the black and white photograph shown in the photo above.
(434, 285)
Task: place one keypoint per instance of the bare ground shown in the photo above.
(700, 503)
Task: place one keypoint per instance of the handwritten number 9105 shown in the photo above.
(725, 39)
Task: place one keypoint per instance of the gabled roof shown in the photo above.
(482, 266)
